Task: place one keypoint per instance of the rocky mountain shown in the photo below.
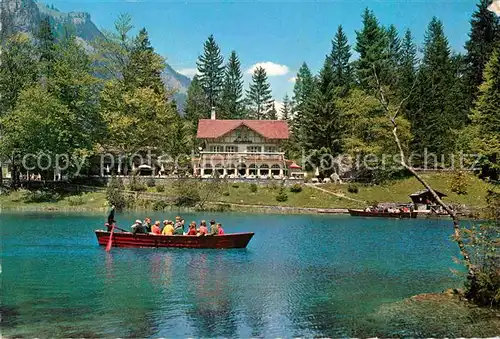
(25, 16)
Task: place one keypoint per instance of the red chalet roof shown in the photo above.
(270, 129)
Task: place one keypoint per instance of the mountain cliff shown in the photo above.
(25, 15)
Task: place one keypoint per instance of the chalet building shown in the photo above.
(241, 148)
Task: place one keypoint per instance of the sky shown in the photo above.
(280, 35)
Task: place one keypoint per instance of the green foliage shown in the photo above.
(136, 184)
(259, 97)
(253, 187)
(226, 193)
(340, 62)
(286, 110)
(197, 106)
(235, 185)
(211, 69)
(42, 195)
(160, 188)
(282, 196)
(76, 200)
(459, 183)
(485, 118)
(160, 205)
(352, 188)
(150, 182)
(296, 188)
(114, 193)
(187, 193)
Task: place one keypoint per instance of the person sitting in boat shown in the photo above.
(220, 230)
(168, 228)
(213, 228)
(147, 224)
(155, 229)
(178, 229)
(192, 229)
(137, 227)
(203, 230)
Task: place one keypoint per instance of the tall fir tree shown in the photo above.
(197, 106)
(45, 46)
(211, 69)
(302, 95)
(407, 74)
(371, 44)
(435, 119)
(286, 110)
(231, 102)
(145, 66)
(339, 56)
(273, 113)
(483, 37)
(259, 98)
(322, 116)
(486, 119)
(393, 51)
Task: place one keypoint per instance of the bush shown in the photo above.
(352, 188)
(296, 188)
(114, 193)
(273, 185)
(235, 185)
(187, 193)
(282, 196)
(253, 187)
(76, 200)
(136, 185)
(459, 183)
(159, 205)
(40, 196)
(150, 182)
(226, 193)
(160, 188)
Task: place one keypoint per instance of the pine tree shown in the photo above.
(483, 36)
(433, 124)
(486, 118)
(272, 114)
(46, 42)
(145, 66)
(371, 43)
(340, 55)
(286, 110)
(211, 69)
(231, 105)
(302, 94)
(197, 106)
(393, 51)
(259, 97)
(408, 64)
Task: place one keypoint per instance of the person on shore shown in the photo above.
(213, 228)
(168, 228)
(220, 230)
(155, 229)
(203, 230)
(192, 229)
(147, 224)
(137, 227)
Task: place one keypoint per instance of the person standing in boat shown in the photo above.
(168, 228)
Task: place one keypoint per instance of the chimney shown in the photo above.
(212, 116)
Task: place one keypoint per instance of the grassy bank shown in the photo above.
(262, 198)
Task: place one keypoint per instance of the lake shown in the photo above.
(301, 275)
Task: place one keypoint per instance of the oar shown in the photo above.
(110, 240)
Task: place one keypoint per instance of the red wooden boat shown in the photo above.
(127, 239)
(400, 215)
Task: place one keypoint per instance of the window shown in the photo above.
(270, 149)
(216, 148)
(254, 149)
(231, 149)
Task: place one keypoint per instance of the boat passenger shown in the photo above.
(178, 229)
(213, 228)
(155, 229)
(137, 227)
(220, 230)
(203, 230)
(147, 224)
(192, 229)
(168, 228)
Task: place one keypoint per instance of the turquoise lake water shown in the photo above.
(299, 276)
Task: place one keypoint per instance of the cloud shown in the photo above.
(495, 7)
(292, 80)
(189, 72)
(271, 68)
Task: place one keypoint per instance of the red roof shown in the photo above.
(269, 129)
(294, 166)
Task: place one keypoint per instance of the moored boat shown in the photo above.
(127, 239)
(400, 215)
